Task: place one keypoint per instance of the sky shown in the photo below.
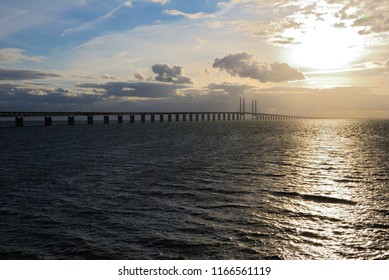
(323, 58)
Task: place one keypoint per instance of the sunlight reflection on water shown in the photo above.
(334, 183)
(314, 189)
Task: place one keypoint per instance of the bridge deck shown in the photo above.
(109, 113)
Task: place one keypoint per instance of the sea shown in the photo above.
(270, 190)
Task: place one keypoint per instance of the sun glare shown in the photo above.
(325, 47)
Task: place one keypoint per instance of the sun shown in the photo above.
(325, 47)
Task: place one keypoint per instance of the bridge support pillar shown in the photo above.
(177, 117)
(197, 117)
(208, 117)
(233, 117)
(106, 119)
(48, 121)
(90, 119)
(218, 117)
(184, 117)
(143, 118)
(19, 122)
(169, 118)
(203, 117)
(160, 118)
(132, 118)
(224, 116)
(228, 117)
(120, 119)
(70, 120)
(191, 118)
(152, 118)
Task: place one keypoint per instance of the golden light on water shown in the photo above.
(325, 188)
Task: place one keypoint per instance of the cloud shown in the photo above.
(279, 40)
(227, 88)
(200, 44)
(139, 76)
(13, 75)
(245, 66)
(137, 89)
(340, 25)
(13, 95)
(170, 74)
(268, 28)
(163, 2)
(108, 77)
(370, 15)
(372, 64)
(96, 22)
(12, 55)
(189, 16)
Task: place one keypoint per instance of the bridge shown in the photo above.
(176, 116)
(141, 116)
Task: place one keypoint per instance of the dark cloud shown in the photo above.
(284, 41)
(38, 97)
(13, 75)
(245, 66)
(170, 74)
(62, 90)
(139, 77)
(137, 89)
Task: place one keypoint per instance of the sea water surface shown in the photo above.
(297, 189)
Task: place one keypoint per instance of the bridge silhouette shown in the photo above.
(152, 116)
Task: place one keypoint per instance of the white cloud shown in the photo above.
(163, 2)
(12, 55)
(92, 24)
(189, 16)
(200, 44)
(370, 15)
(37, 92)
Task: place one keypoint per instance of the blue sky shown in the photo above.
(326, 58)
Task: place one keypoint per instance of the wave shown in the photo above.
(314, 198)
